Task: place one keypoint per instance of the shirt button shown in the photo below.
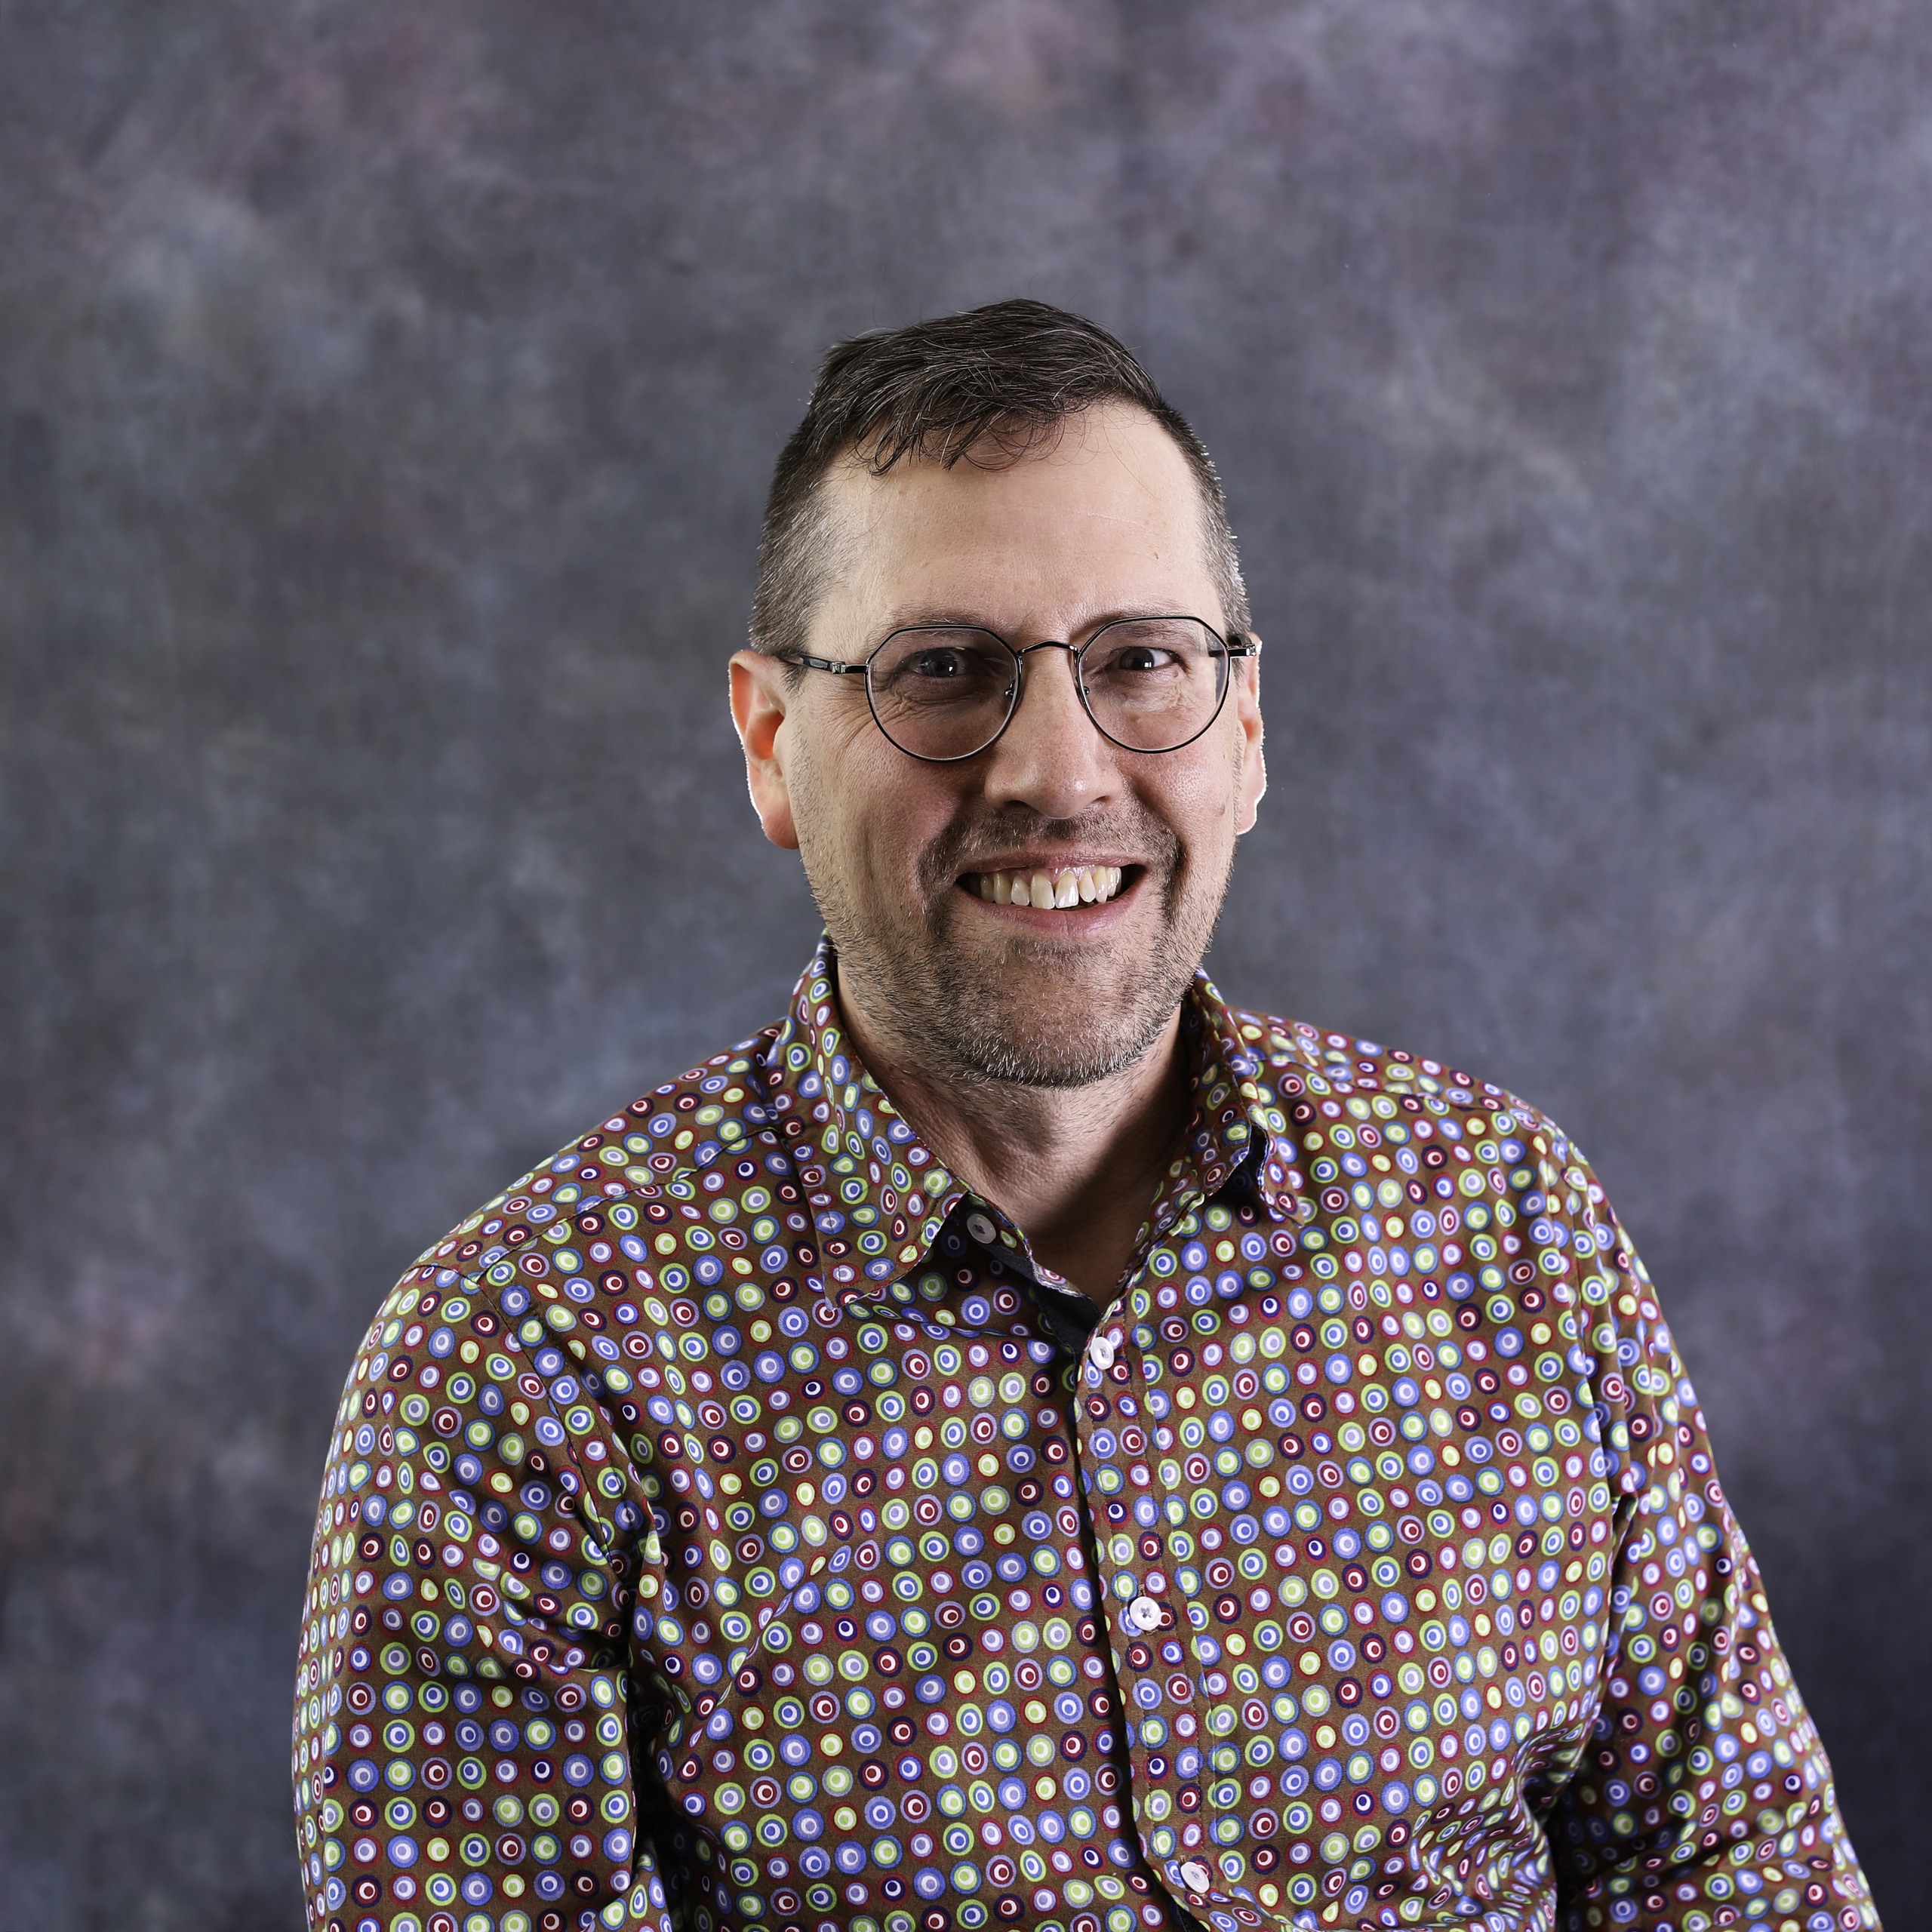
(1196, 1876)
(1100, 1351)
(982, 1230)
(1144, 1614)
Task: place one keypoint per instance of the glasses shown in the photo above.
(945, 692)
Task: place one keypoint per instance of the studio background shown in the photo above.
(387, 396)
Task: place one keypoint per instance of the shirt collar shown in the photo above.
(882, 1201)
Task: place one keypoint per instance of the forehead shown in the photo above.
(1105, 517)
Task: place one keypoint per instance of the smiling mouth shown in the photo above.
(1058, 887)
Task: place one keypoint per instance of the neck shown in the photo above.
(1077, 1168)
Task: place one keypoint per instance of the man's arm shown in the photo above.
(468, 1684)
(1703, 1796)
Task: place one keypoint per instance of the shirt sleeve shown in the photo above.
(477, 1715)
(1703, 1796)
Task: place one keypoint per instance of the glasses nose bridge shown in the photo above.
(1021, 654)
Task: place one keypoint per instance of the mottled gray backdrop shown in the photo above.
(387, 393)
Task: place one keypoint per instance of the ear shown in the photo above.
(1254, 764)
(760, 701)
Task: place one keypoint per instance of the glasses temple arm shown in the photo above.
(818, 663)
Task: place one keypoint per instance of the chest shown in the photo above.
(1281, 1567)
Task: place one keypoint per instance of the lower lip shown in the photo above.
(1081, 917)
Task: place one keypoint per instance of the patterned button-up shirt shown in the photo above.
(734, 1525)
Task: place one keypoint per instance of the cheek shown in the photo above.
(841, 778)
(878, 813)
(1201, 804)
(899, 825)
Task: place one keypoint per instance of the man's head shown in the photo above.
(1015, 469)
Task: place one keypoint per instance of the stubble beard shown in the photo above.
(977, 1012)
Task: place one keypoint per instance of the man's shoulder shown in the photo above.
(1338, 1074)
(664, 1141)
(646, 1188)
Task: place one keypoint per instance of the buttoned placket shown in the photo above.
(1113, 1353)
(1106, 1356)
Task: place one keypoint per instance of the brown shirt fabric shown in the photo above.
(734, 1525)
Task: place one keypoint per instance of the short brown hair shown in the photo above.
(989, 386)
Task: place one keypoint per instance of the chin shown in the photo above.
(1044, 1012)
(1019, 1052)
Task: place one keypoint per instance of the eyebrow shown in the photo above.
(909, 617)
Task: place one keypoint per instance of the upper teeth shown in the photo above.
(1067, 885)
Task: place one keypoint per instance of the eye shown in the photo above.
(948, 665)
(939, 667)
(1145, 650)
(1136, 657)
(1166, 659)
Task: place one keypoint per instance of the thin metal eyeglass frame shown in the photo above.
(1236, 647)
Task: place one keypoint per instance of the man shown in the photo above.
(1019, 1442)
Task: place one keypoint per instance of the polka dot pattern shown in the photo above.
(733, 1526)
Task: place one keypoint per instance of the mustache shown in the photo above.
(971, 844)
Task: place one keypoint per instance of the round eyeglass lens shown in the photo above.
(942, 693)
(1154, 684)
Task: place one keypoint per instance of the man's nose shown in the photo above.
(1051, 756)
